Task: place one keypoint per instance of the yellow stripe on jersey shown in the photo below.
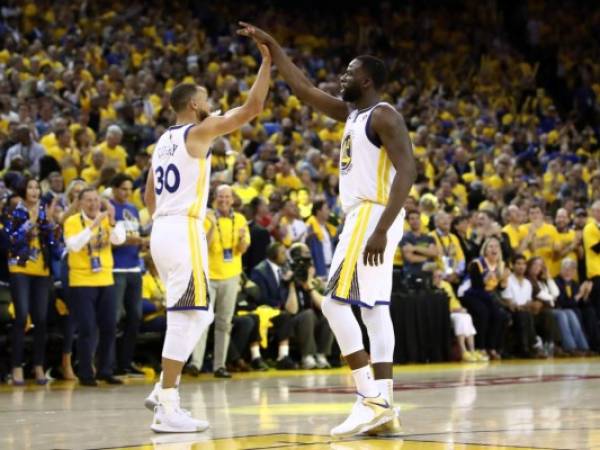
(383, 176)
(197, 205)
(194, 213)
(349, 264)
(197, 269)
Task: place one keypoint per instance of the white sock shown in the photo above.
(255, 352)
(284, 350)
(386, 389)
(365, 384)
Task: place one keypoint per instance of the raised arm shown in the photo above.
(300, 84)
(389, 125)
(212, 127)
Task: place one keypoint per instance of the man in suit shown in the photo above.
(295, 294)
(271, 276)
(259, 236)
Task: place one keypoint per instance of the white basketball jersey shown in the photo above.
(366, 171)
(181, 183)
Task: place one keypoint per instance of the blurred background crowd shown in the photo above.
(501, 101)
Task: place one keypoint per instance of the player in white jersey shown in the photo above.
(176, 195)
(377, 170)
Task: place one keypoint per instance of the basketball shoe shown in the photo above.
(367, 413)
(170, 418)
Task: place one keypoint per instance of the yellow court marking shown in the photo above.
(303, 409)
(306, 442)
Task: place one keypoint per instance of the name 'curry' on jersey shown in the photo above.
(366, 171)
(181, 182)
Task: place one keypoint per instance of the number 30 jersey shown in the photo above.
(181, 183)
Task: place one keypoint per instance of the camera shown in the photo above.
(299, 267)
(300, 262)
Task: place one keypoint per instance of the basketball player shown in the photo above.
(176, 195)
(377, 170)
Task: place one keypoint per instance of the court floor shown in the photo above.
(526, 405)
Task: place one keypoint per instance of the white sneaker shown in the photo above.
(388, 429)
(169, 417)
(322, 362)
(151, 401)
(367, 413)
(309, 363)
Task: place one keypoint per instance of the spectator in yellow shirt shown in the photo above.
(141, 164)
(540, 236)
(514, 229)
(228, 239)
(91, 174)
(89, 237)
(115, 154)
(286, 177)
(451, 257)
(241, 187)
(66, 156)
(567, 243)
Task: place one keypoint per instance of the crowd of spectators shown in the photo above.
(502, 109)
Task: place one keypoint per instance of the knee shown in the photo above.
(222, 323)
(308, 317)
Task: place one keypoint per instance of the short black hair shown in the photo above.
(181, 95)
(376, 69)
(518, 257)
(273, 249)
(119, 179)
(317, 206)
(412, 212)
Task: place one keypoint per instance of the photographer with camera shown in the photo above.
(310, 328)
(292, 288)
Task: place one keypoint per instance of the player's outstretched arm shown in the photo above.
(215, 126)
(389, 125)
(300, 84)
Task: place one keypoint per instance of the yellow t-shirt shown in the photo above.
(80, 266)
(591, 236)
(543, 243)
(515, 234)
(288, 181)
(561, 240)
(90, 174)
(245, 193)
(448, 246)
(226, 236)
(49, 140)
(116, 156)
(69, 171)
(35, 265)
(74, 127)
(133, 171)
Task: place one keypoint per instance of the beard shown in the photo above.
(351, 93)
(201, 115)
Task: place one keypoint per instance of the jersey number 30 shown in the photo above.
(168, 179)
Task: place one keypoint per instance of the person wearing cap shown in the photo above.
(114, 153)
(30, 151)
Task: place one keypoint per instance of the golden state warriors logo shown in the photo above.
(346, 154)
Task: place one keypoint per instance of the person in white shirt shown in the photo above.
(517, 297)
(553, 324)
